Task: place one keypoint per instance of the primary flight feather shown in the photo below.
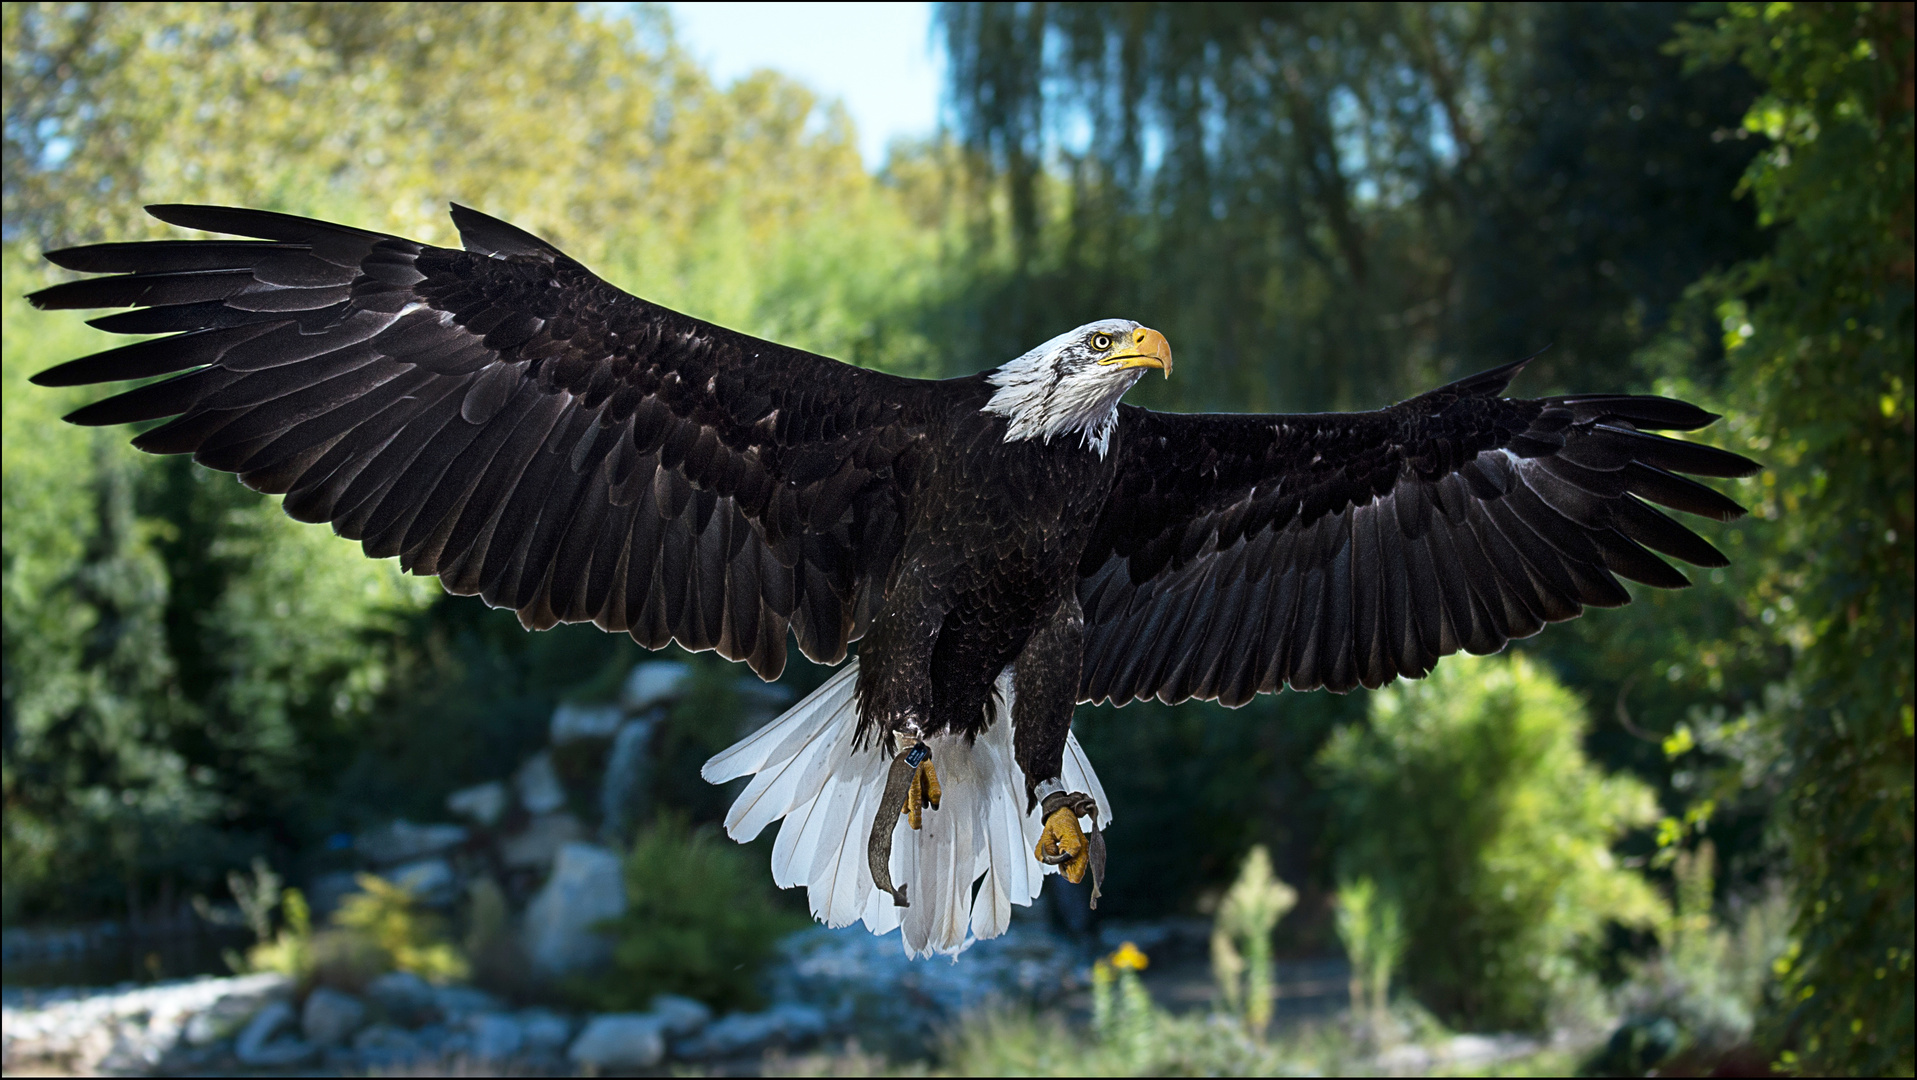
(1006, 544)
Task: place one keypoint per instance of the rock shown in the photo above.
(402, 841)
(257, 1046)
(456, 1003)
(386, 1045)
(431, 881)
(402, 997)
(538, 785)
(385, 1038)
(223, 1018)
(495, 1036)
(330, 1017)
(129, 1029)
(586, 887)
(483, 803)
(622, 792)
(653, 683)
(433, 1039)
(534, 847)
(265, 1024)
(742, 1033)
(571, 723)
(681, 1016)
(543, 1029)
(620, 1041)
(1637, 1047)
(866, 983)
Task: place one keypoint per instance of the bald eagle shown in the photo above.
(1003, 546)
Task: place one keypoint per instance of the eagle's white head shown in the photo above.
(1072, 383)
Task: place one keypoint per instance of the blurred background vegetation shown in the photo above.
(1325, 205)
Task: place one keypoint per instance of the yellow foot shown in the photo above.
(1063, 844)
(922, 795)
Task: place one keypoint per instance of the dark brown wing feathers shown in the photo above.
(504, 419)
(1243, 554)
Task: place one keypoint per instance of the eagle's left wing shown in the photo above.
(1245, 553)
(501, 417)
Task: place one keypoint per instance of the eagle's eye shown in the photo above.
(1101, 342)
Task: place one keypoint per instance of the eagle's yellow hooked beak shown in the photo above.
(1148, 349)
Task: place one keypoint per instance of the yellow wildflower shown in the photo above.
(1130, 958)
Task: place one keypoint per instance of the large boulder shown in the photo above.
(681, 1016)
(867, 983)
(387, 1046)
(403, 998)
(789, 1024)
(330, 1017)
(261, 1045)
(623, 790)
(586, 888)
(431, 881)
(402, 841)
(495, 1036)
(571, 723)
(543, 1030)
(460, 1003)
(654, 682)
(537, 783)
(535, 846)
(620, 1041)
(483, 804)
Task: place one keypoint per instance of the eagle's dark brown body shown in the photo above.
(987, 577)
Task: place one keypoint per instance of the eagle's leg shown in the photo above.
(923, 794)
(895, 708)
(1045, 691)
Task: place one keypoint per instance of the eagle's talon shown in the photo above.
(1063, 844)
(923, 795)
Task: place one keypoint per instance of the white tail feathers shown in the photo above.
(805, 770)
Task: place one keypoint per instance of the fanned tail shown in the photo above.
(805, 770)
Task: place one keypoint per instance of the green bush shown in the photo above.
(382, 928)
(1469, 798)
(699, 921)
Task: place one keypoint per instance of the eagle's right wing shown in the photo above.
(1242, 554)
(502, 418)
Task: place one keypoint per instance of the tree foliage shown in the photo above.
(1332, 205)
(191, 677)
(1821, 342)
(1469, 800)
(1326, 205)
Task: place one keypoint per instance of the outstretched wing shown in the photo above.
(502, 418)
(1245, 553)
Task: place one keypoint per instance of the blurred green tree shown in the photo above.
(1333, 205)
(1468, 797)
(190, 677)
